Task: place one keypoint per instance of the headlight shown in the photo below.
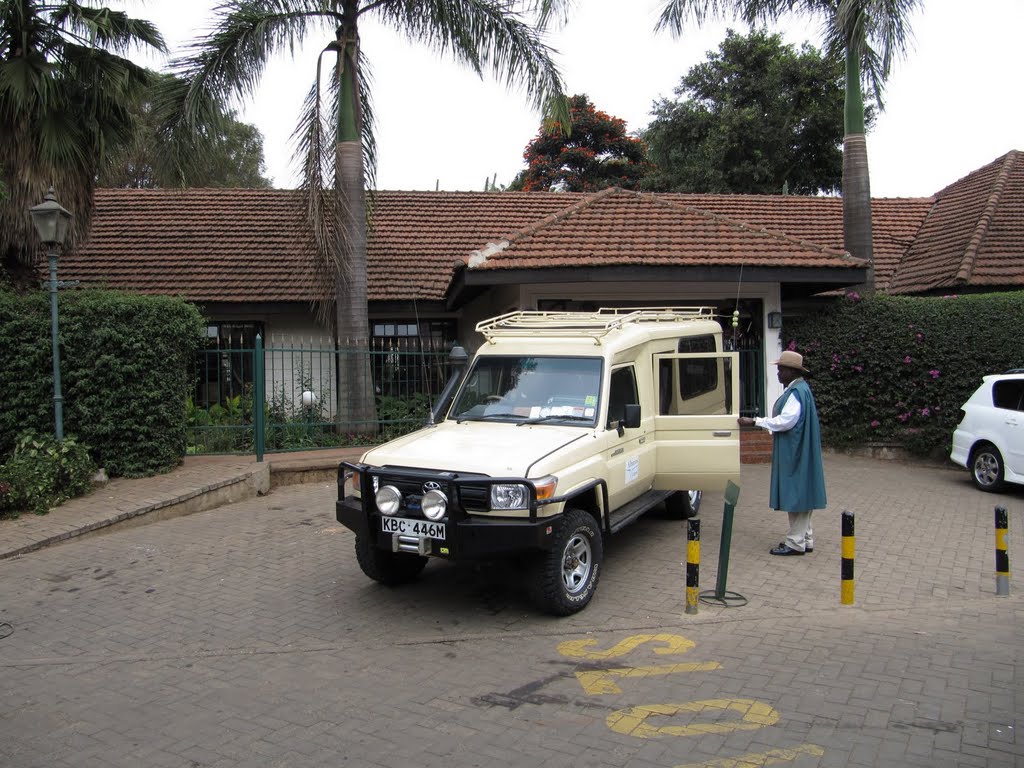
(509, 496)
(389, 499)
(434, 505)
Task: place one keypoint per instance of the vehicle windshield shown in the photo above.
(548, 390)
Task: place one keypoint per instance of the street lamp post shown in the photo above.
(51, 224)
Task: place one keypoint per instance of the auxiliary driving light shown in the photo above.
(434, 505)
(389, 500)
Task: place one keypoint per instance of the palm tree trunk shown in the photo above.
(356, 403)
(856, 180)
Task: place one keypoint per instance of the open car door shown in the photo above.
(697, 437)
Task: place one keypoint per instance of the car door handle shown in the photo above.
(722, 433)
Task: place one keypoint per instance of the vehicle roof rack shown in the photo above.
(586, 324)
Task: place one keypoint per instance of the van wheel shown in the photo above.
(682, 505)
(389, 568)
(987, 468)
(564, 579)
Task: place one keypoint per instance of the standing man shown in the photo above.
(798, 477)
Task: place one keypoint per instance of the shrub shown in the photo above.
(42, 473)
(897, 369)
(126, 366)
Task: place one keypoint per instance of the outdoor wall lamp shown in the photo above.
(775, 320)
(51, 223)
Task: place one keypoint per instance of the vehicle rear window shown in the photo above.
(1008, 394)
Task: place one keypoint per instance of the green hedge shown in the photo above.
(126, 371)
(897, 369)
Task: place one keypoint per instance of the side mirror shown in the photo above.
(630, 420)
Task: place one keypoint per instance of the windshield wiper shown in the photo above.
(485, 417)
(554, 417)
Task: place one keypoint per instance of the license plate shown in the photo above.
(408, 527)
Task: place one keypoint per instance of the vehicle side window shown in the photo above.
(1008, 394)
(622, 391)
(697, 376)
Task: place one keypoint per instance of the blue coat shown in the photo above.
(798, 477)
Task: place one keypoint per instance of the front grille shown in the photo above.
(475, 498)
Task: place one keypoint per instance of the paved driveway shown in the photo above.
(247, 636)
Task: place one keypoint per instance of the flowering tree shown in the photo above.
(595, 154)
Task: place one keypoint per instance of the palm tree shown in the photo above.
(66, 96)
(227, 63)
(870, 34)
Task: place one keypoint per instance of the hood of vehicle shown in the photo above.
(486, 448)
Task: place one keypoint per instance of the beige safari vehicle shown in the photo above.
(566, 427)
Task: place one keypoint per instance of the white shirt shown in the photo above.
(787, 418)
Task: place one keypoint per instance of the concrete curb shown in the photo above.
(210, 496)
(233, 484)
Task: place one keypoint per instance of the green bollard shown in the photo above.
(721, 595)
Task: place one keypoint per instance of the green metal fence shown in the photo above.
(300, 391)
(299, 388)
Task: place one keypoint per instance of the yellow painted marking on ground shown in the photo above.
(577, 649)
(633, 721)
(600, 681)
(759, 759)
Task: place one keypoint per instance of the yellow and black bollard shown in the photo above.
(692, 563)
(1002, 557)
(846, 592)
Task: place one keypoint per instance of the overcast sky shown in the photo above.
(952, 106)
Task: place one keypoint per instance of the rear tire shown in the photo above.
(390, 568)
(682, 505)
(987, 468)
(565, 578)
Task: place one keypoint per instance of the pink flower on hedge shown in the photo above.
(876, 423)
(858, 368)
(934, 373)
(903, 416)
(907, 359)
(925, 411)
(792, 346)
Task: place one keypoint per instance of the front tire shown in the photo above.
(682, 505)
(987, 468)
(390, 568)
(565, 578)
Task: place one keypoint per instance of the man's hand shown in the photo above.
(745, 421)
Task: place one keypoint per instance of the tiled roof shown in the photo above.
(973, 235)
(895, 221)
(234, 245)
(245, 245)
(618, 228)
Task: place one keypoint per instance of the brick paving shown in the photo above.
(247, 636)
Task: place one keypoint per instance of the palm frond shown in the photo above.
(112, 30)
(228, 62)
(65, 97)
(676, 14)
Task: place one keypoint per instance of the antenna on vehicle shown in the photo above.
(736, 311)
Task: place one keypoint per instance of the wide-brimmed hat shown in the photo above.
(792, 360)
